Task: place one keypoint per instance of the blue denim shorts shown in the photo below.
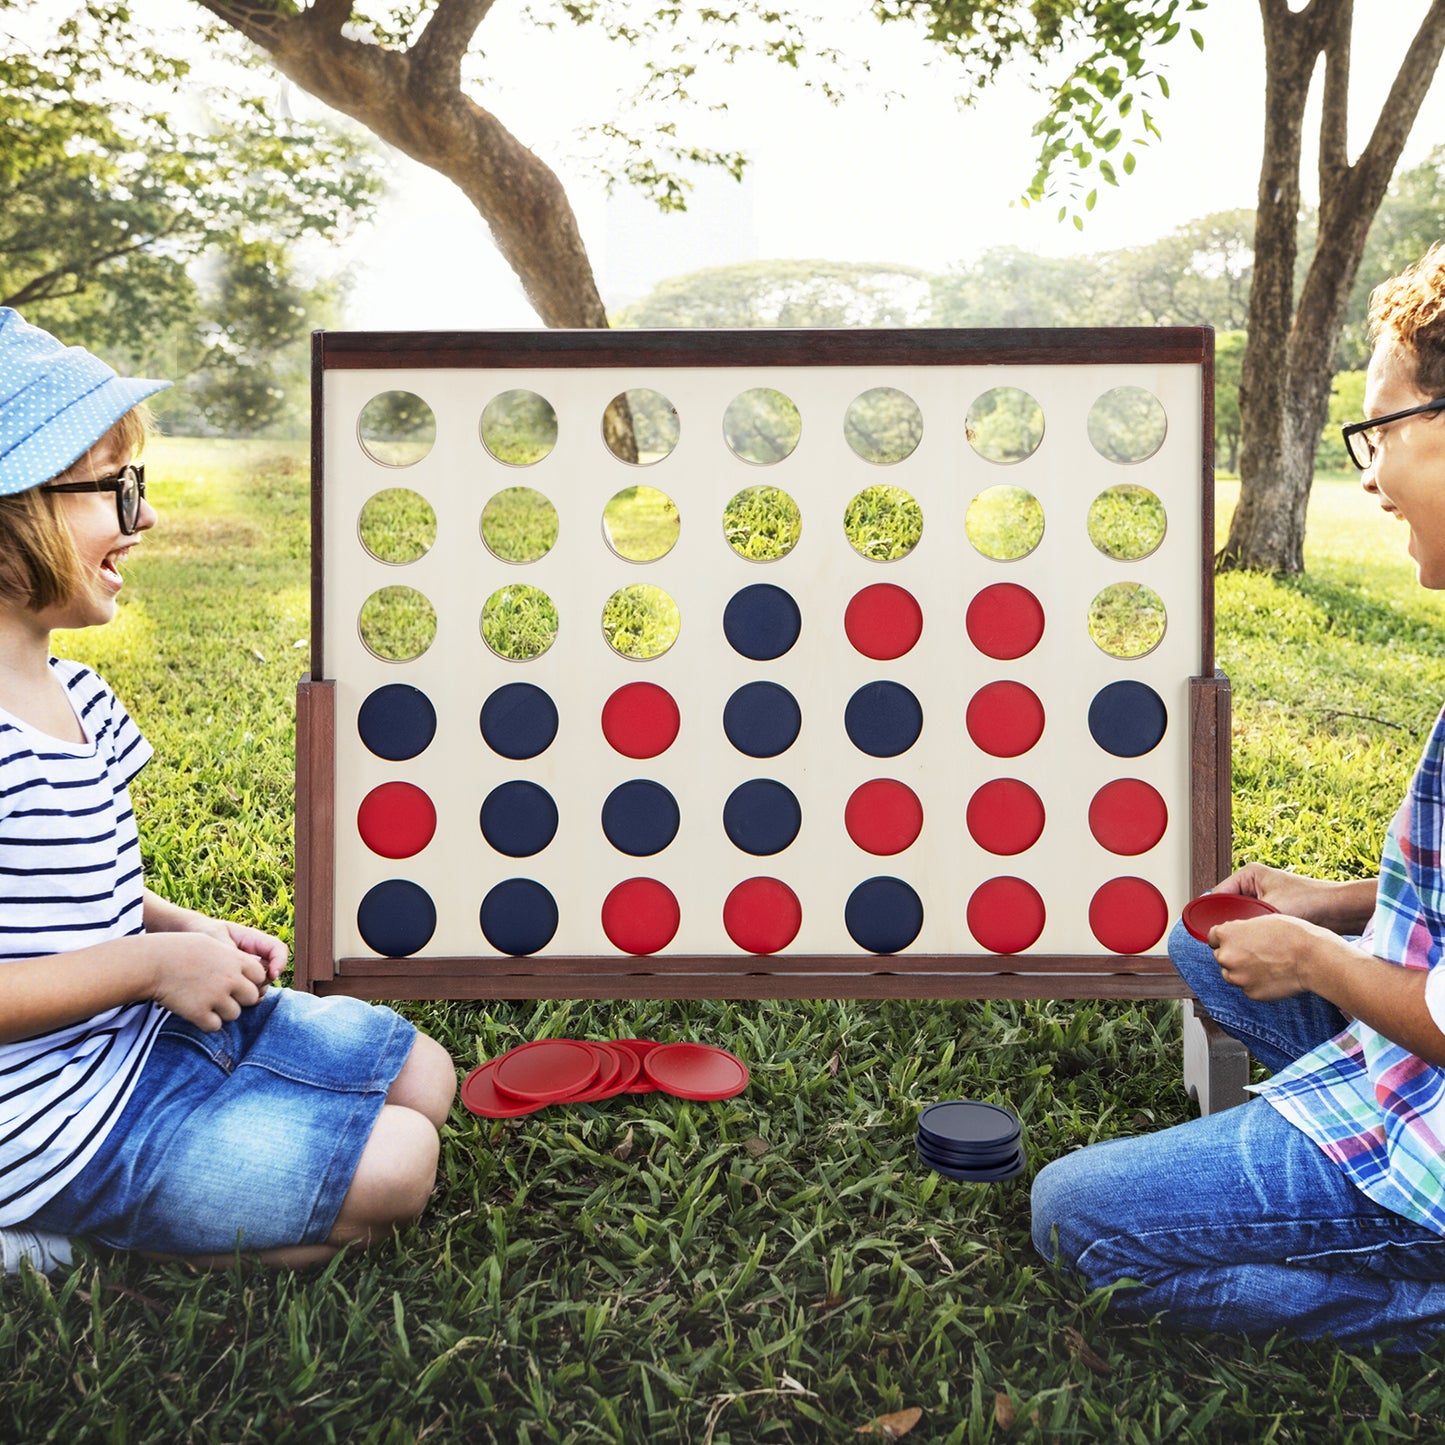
(244, 1138)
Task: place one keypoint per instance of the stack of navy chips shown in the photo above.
(971, 1141)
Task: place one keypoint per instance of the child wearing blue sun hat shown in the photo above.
(161, 1091)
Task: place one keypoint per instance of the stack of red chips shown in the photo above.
(577, 1071)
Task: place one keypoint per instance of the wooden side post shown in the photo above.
(1216, 1065)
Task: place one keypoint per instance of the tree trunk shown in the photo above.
(1288, 361)
(413, 99)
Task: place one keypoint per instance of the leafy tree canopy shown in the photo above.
(107, 209)
(1100, 114)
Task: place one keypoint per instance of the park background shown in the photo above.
(776, 1267)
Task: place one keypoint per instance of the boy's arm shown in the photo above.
(1341, 907)
(1277, 957)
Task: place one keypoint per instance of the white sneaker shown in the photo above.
(45, 1252)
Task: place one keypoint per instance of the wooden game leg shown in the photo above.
(1216, 1065)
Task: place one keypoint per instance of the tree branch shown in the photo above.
(432, 121)
(437, 54)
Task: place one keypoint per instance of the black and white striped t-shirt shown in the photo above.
(70, 875)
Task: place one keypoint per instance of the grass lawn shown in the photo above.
(773, 1268)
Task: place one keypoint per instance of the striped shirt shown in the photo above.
(1375, 1108)
(70, 876)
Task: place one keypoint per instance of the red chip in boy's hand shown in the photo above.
(144, 1010)
(1210, 909)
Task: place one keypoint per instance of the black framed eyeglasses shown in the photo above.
(129, 486)
(1360, 444)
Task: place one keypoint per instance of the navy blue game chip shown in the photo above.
(883, 719)
(762, 621)
(519, 721)
(519, 818)
(883, 915)
(397, 722)
(762, 719)
(519, 916)
(396, 918)
(640, 817)
(762, 816)
(1128, 718)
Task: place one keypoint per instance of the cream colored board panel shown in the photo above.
(701, 671)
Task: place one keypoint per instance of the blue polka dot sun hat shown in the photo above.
(55, 402)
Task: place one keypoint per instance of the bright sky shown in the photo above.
(920, 182)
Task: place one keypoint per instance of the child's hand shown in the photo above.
(1343, 907)
(1262, 956)
(271, 951)
(205, 981)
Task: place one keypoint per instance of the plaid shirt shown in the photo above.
(1375, 1108)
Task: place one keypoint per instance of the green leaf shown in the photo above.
(1197, 38)
(1129, 163)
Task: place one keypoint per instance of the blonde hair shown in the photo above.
(1409, 309)
(39, 566)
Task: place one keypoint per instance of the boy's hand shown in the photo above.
(1342, 907)
(204, 980)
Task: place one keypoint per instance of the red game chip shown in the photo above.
(1005, 816)
(696, 1071)
(640, 915)
(1006, 915)
(480, 1095)
(639, 1049)
(624, 1081)
(609, 1069)
(1212, 908)
(547, 1070)
(1005, 621)
(640, 720)
(1128, 915)
(883, 816)
(396, 820)
(883, 621)
(761, 915)
(1005, 719)
(1128, 816)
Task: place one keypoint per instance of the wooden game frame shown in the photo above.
(980, 975)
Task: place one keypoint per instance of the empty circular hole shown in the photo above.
(640, 621)
(762, 523)
(519, 524)
(762, 426)
(1005, 425)
(397, 624)
(1004, 523)
(1126, 522)
(641, 524)
(519, 623)
(883, 425)
(519, 427)
(1127, 425)
(1127, 619)
(397, 526)
(640, 426)
(396, 428)
(883, 523)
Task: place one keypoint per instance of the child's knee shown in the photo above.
(1074, 1196)
(394, 1177)
(427, 1082)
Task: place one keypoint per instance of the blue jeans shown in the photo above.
(1238, 1222)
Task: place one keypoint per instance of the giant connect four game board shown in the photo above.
(764, 663)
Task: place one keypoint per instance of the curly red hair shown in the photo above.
(1409, 309)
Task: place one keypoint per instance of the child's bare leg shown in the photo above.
(427, 1081)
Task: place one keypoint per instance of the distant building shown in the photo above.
(645, 245)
